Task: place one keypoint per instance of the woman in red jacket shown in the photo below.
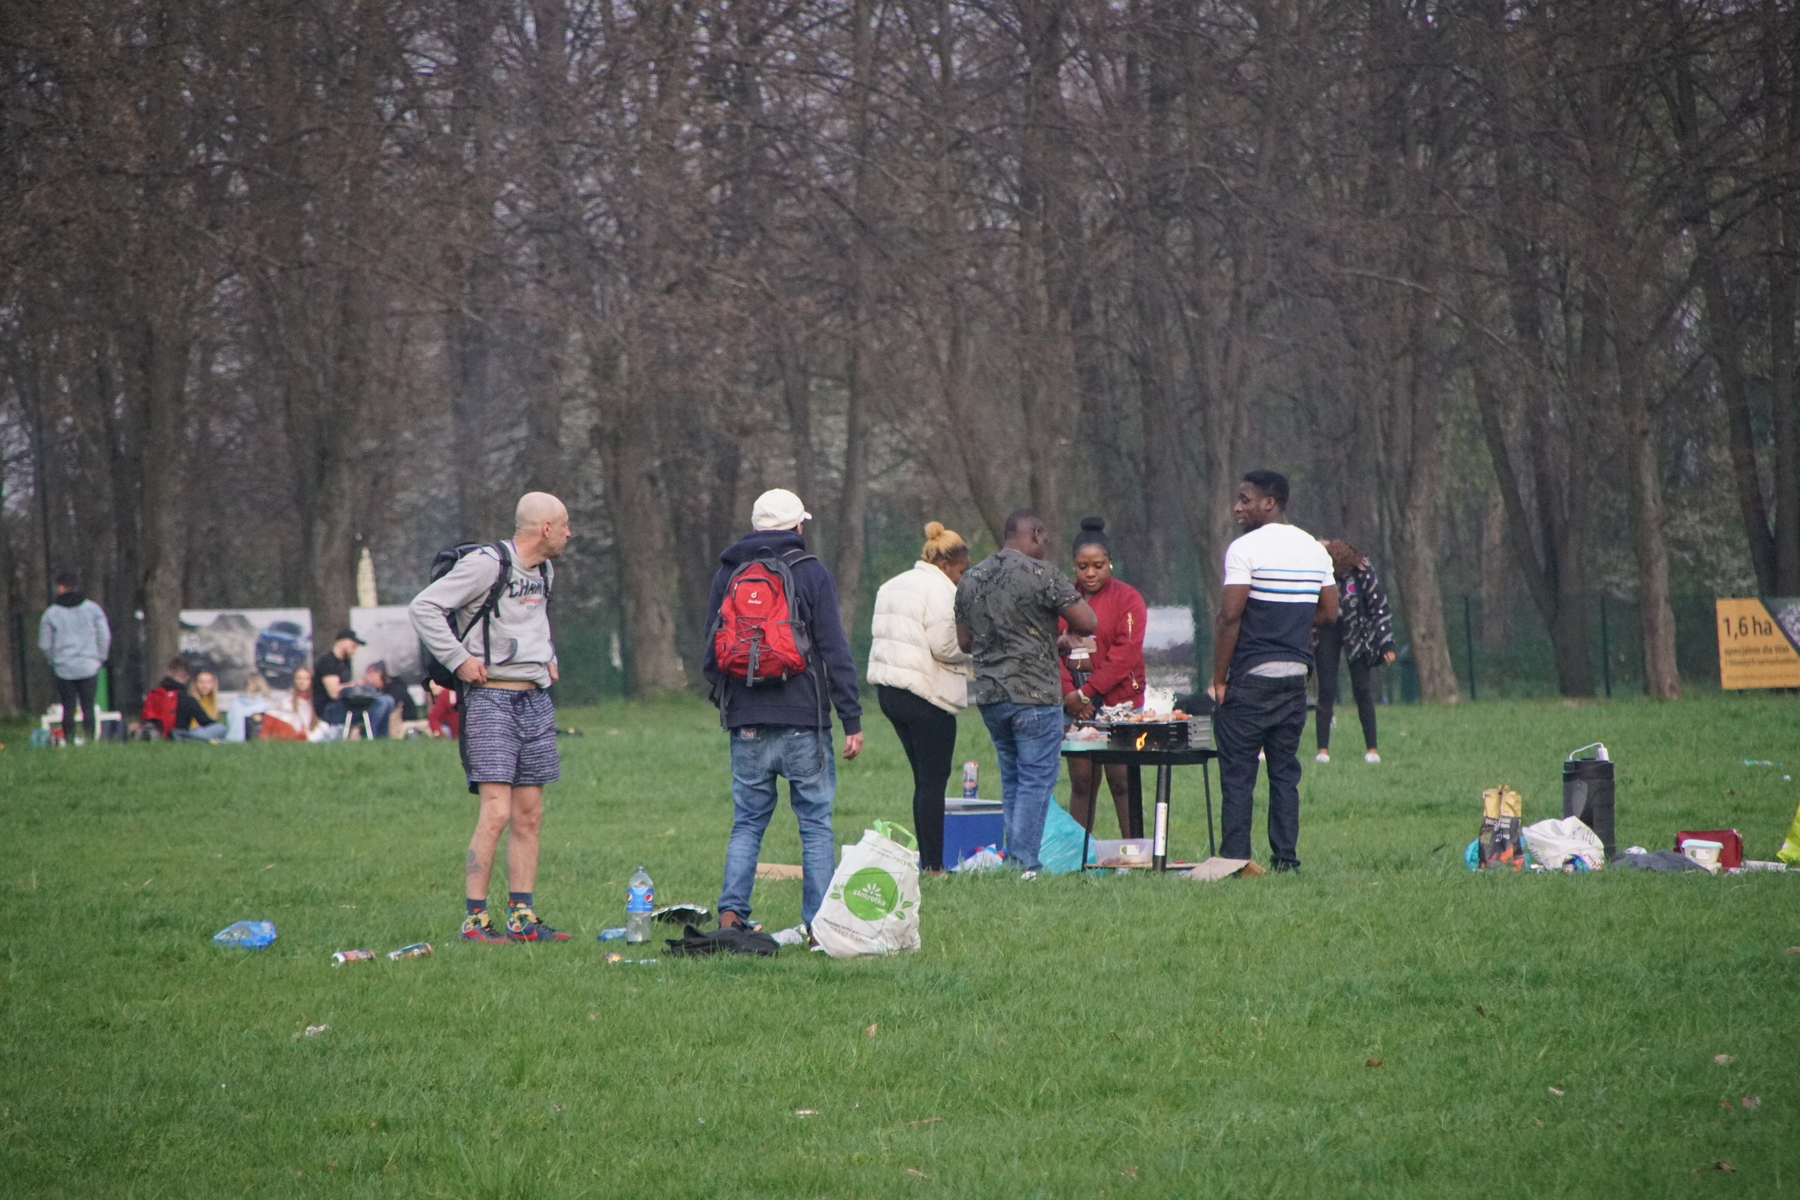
(1113, 672)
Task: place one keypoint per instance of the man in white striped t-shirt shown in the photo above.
(1278, 585)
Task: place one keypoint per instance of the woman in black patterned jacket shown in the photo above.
(1363, 633)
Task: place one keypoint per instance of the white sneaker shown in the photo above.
(1322, 756)
(1371, 757)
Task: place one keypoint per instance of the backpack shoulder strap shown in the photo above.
(492, 603)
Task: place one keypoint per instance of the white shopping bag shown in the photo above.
(872, 906)
(1553, 843)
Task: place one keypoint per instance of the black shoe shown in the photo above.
(1282, 868)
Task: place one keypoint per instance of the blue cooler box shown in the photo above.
(968, 826)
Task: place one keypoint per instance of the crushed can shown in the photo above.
(1588, 792)
(416, 950)
(350, 956)
(971, 781)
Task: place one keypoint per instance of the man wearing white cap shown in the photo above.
(775, 673)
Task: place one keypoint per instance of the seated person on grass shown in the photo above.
(161, 701)
(405, 718)
(290, 717)
(197, 715)
(331, 675)
(253, 701)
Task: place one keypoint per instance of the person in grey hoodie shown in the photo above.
(74, 636)
(506, 665)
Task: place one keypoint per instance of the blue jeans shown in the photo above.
(201, 733)
(759, 755)
(334, 712)
(1028, 739)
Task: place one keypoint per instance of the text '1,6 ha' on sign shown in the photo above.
(1759, 643)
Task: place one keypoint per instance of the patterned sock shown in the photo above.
(518, 900)
(475, 906)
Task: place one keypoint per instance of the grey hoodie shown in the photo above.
(519, 630)
(74, 637)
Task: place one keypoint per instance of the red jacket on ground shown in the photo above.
(1118, 662)
(444, 715)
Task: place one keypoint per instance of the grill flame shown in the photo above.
(1142, 738)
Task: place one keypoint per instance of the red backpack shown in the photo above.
(757, 635)
(159, 709)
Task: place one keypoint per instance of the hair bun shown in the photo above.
(933, 530)
(1097, 524)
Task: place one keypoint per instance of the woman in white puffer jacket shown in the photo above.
(921, 675)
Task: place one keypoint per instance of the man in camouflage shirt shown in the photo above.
(1006, 611)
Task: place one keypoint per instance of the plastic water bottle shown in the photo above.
(640, 899)
(971, 786)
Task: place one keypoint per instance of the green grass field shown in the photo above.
(1109, 1036)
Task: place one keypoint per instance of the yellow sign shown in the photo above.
(1757, 647)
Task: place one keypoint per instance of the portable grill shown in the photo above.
(1193, 733)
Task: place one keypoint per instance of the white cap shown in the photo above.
(778, 508)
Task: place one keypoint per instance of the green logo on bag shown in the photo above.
(871, 894)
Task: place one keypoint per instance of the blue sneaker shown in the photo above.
(522, 925)
(479, 927)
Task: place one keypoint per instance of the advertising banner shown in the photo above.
(235, 643)
(391, 640)
(1759, 642)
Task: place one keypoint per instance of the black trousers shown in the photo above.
(1362, 686)
(1267, 715)
(928, 734)
(72, 692)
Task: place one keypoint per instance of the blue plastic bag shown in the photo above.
(246, 935)
(1060, 851)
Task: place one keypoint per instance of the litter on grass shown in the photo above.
(792, 936)
(1566, 844)
(1215, 869)
(681, 914)
(246, 935)
(779, 871)
(316, 1030)
(985, 859)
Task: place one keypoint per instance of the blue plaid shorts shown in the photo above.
(509, 737)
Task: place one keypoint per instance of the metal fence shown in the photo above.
(1517, 661)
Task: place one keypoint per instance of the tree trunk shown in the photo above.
(853, 501)
(640, 535)
(1662, 680)
(1784, 401)
(469, 334)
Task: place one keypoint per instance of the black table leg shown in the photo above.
(1212, 847)
(1087, 831)
(1160, 850)
(1134, 800)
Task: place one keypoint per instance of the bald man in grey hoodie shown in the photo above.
(508, 721)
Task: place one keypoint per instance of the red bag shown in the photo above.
(1731, 857)
(756, 634)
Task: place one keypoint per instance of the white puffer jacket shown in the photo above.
(915, 638)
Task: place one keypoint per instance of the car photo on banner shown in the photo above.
(235, 643)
